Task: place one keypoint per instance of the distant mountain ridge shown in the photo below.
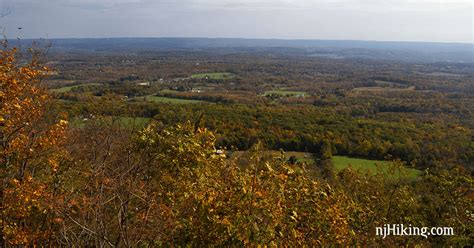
(403, 51)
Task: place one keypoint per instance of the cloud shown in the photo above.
(242, 4)
(95, 4)
(430, 20)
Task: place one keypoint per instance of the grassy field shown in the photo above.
(213, 75)
(287, 93)
(69, 88)
(160, 99)
(342, 162)
(363, 165)
(384, 89)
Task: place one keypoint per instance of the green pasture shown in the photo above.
(213, 75)
(364, 165)
(358, 164)
(69, 88)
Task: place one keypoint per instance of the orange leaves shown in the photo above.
(30, 150)
(27, 199)
(27, 194)
(283, 177)
(54, 135)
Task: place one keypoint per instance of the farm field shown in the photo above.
(342, 162)
(69, 88)
(213, 75)
(384, 89)
(364, 165)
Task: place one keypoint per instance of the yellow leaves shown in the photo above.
(294, 216)
(31, 147)
(283, 177)
(295, 234)
(63, 122)
(54, 164)
(15, 182)
(226, 221)
(25, 204)
(268, 166)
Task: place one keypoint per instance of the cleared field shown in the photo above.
(286, 93)
(342, 162)
(160, 99)
(384, 89)
(213, 75)
(69, 88)
(363, 165)
(442, 74)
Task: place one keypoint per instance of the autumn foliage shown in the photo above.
(103, 185)
(30, 152)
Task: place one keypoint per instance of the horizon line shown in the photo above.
(242, 38)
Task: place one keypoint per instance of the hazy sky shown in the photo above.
(405, 20)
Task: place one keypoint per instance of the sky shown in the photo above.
(383, 20)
